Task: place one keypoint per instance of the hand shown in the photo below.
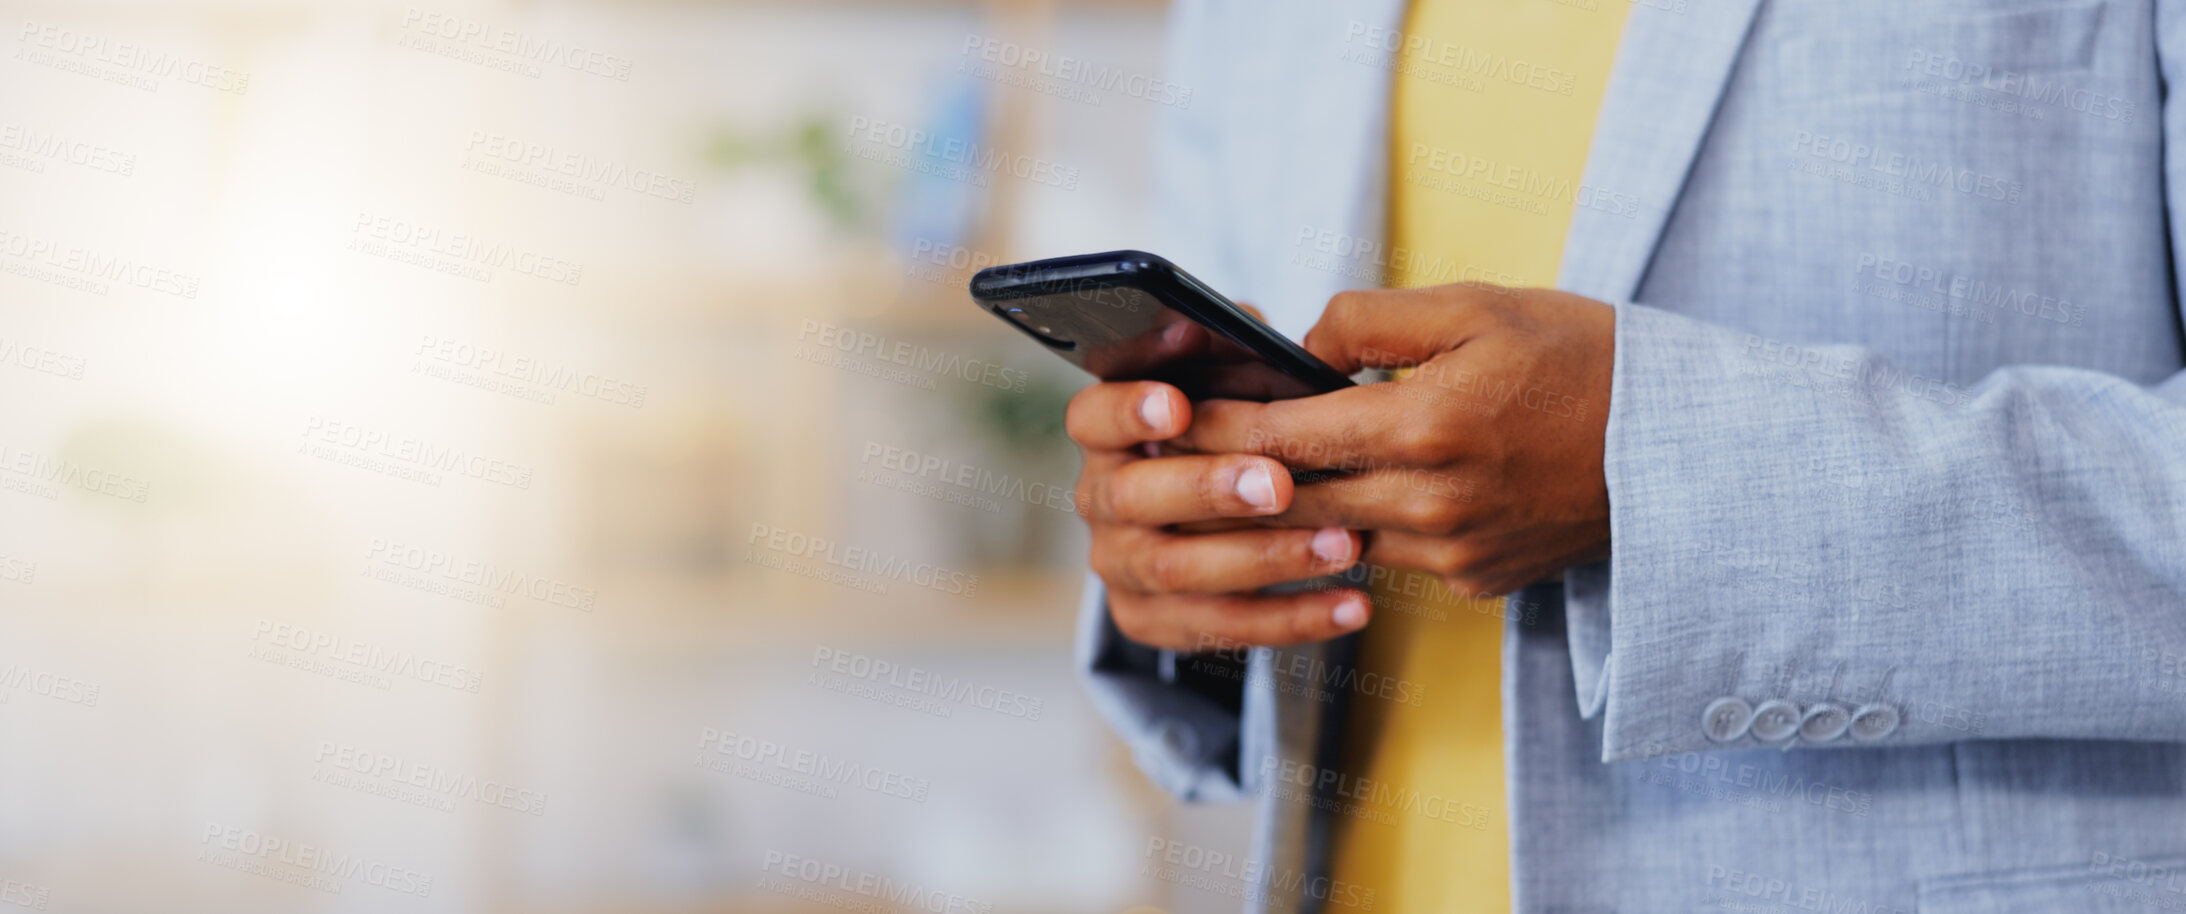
(1189, 590)
(1483, 466)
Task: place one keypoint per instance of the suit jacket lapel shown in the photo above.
(1671, 67)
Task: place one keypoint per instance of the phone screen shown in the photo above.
(1123, 333)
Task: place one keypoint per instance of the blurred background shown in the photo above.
(539, 456)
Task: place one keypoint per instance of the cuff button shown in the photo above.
(1873, 722)
(1726, 719)
(1177, 738)
(1824, 722)
(1775, 719)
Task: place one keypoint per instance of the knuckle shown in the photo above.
(1345, 307)
(1164, 568)
(1463, 561)
(1304, 623)
(1287, 553)
(1132, 619)
(1104, 561)
(1079, 415)
(1467, 586)
(1431, 516)
(1116, 496)
(1415, 443)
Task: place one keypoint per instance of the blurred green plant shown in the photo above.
(807, 145)
(1027, 422)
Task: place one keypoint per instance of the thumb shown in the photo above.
(1392, 328)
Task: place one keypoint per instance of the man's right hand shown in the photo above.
(1194, 591)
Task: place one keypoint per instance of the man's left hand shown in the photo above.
(1483, 465)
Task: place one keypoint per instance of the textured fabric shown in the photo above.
(1895, 424)
(1465, 147)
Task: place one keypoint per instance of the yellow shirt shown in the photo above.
(1494, 108)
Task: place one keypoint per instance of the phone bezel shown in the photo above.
(1167, 283)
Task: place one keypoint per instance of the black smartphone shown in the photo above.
(1132, 316)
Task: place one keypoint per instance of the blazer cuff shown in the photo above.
(1171, 710)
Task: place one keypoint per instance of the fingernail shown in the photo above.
(1174, 333)
(1154, 411)
(1257, 488)
(1332, 544)
(1351, 613)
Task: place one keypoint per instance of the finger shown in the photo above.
(1394, 328)
(1171, 490)
(1114, 416)
(1414, 500)
(1442, 556)
(1222, 563)
(1255, 312)
(1196, 623)
(1329, 431)
(1471, 568)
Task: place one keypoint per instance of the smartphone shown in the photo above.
(1132, 316)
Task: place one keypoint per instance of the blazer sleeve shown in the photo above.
(1817, 531)
(1180, 716)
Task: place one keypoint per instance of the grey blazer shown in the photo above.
(1896, 618)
